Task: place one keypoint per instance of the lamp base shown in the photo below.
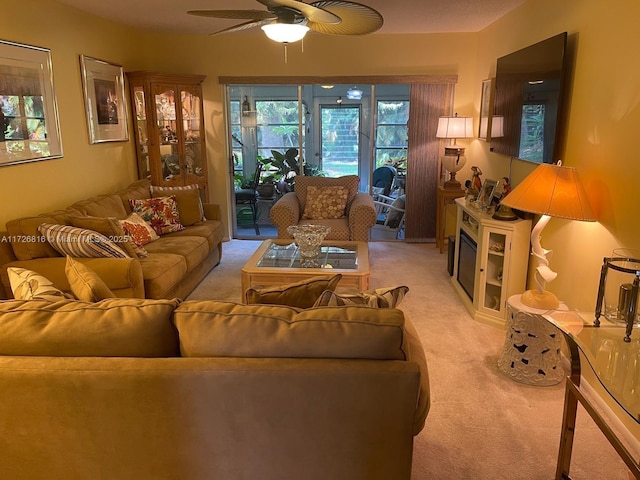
(452, 184)
(543, 301)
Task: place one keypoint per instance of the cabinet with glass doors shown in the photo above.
(169, 128)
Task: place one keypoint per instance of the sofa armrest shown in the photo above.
(285, 212)
(362, 216)
(123, 276)
(416, 355)
(212, 211)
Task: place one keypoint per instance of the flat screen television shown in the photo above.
(530, 85)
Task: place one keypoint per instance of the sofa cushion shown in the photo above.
(80, 242)
(221, 329)
(386, 297)
(212, 230)
(162, 272)
(325, 202)
(302, 294)
(139, 190)
(102, 206)
(188, 200)
(110, 227)
(29, 285)
(139, 230)
(160, 212)
(193, 249)
(85, 284)
(111, 328)
(27, 242)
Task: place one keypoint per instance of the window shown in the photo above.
(391, 132)
(277, 122)
(236, 136)
(340, 140)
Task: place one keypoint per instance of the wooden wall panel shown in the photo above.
(428, 103)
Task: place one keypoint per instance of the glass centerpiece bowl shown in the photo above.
(309, 238)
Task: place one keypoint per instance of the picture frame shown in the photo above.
(29, 124)
(487, 99)
(487, 192)
(104, 100)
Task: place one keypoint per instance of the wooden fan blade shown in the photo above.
(243, 26)
(311, 13)
(255, 15)
(357, 19)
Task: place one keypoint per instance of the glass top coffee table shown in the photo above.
(277, 262)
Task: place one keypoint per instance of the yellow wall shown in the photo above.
(85, 169)
(601, 132)
(601, 129)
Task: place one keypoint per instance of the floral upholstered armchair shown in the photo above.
(335, 202)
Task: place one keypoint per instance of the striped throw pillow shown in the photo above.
(387, 297)
(80, 242)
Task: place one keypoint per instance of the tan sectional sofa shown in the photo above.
(175, 264)
(159, 389)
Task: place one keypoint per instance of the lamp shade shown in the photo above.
(455, 127)
(285, 32)
(552, 190)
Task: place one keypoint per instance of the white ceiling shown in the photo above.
(400, 16)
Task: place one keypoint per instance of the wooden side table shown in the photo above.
(445, 197)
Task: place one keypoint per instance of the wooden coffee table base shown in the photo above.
(255, 276)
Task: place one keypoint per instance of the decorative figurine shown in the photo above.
(506, 186)
(476, 181)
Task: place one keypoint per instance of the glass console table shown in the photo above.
(616, 365)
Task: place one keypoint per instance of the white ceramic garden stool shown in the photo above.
(531, 351)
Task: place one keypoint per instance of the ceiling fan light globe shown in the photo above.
(285, 32)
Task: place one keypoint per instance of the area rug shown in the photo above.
(482, 425)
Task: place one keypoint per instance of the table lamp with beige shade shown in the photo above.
(551, 190)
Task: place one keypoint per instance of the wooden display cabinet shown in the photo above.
(490, 262)
(169, 129)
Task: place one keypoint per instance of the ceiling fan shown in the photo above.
(288, 21)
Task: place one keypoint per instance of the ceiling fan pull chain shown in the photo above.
(285, 53)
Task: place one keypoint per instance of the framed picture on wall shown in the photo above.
(104, 100)
(486, 109)
(29, 126)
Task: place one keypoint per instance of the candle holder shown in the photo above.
(618, 292)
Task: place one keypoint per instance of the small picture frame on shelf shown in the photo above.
(30, 129)
(486, 194)
(104, 100)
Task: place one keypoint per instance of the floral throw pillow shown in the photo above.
(325, 202)
(140, 231)
(159, 212)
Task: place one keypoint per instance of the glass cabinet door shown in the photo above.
(496, 246)
(142, 135)
(192, 135)
(166, 131)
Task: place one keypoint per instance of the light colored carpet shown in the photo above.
(482, 425)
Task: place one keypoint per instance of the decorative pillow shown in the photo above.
(111, 228)
(29, 285)
(140, 231)
(388, 297)
(188, 199)
(85, 284)
(160, 212)
(325, 202)
(80, 242)
(301, 294)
